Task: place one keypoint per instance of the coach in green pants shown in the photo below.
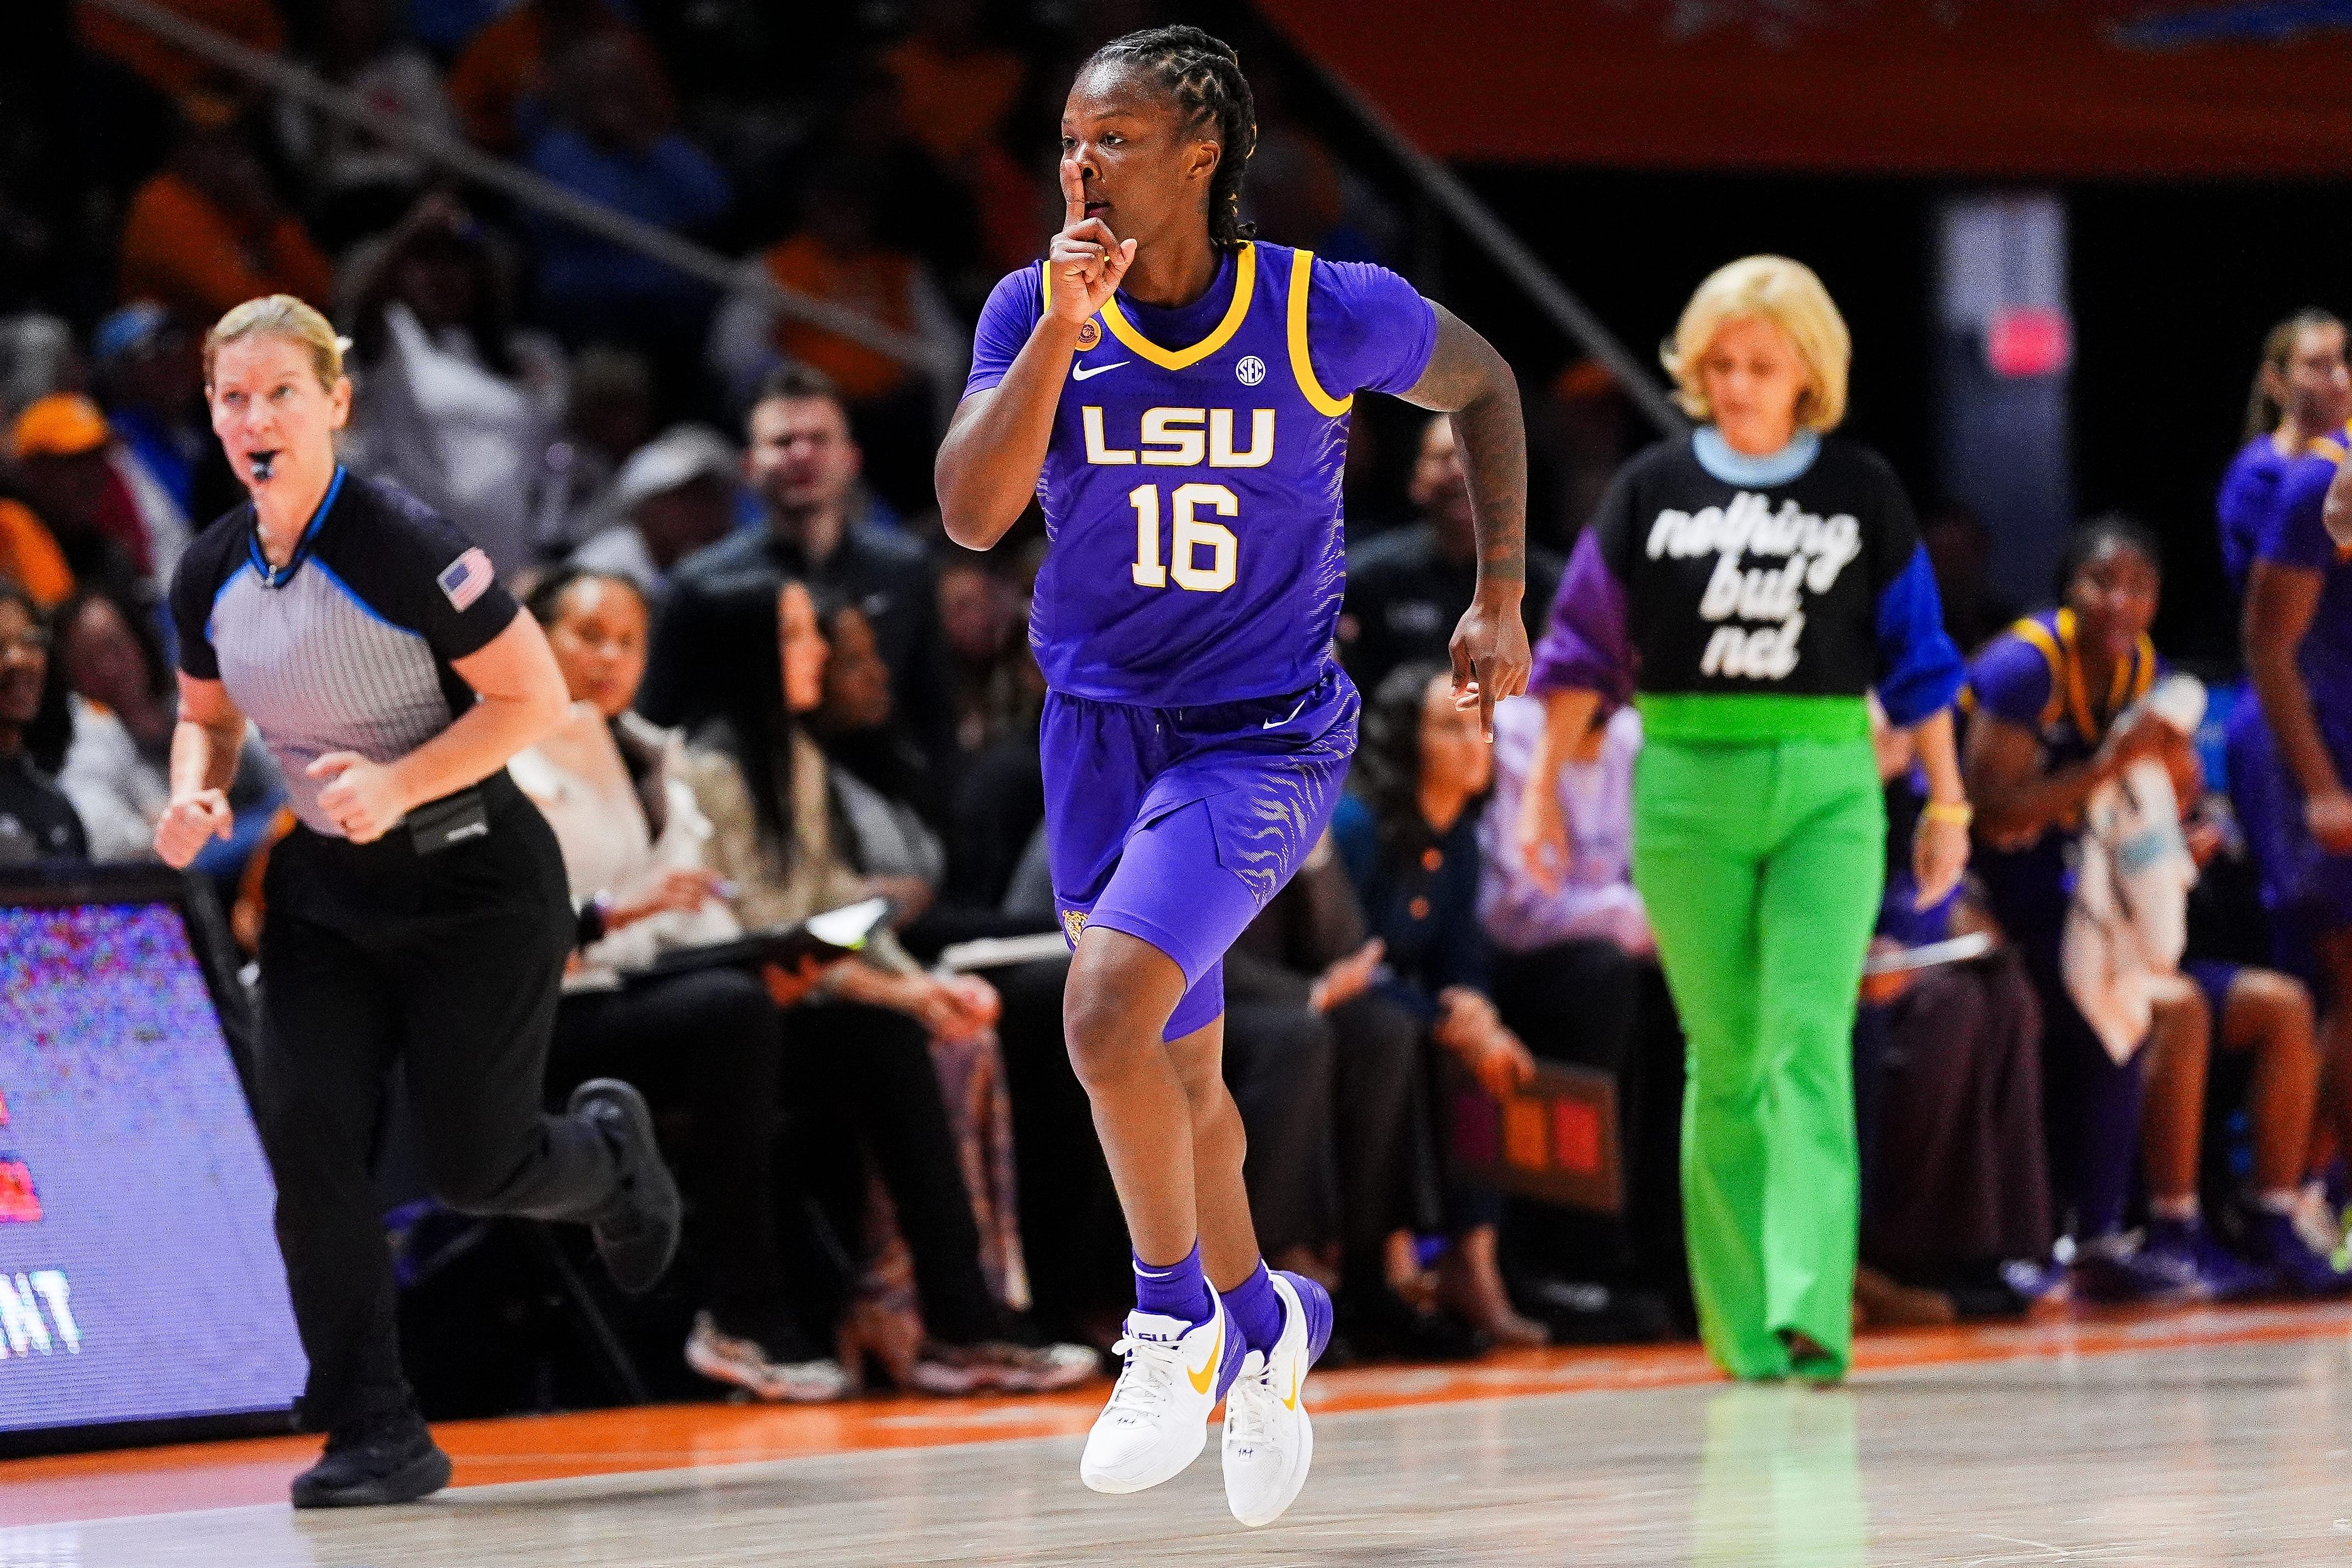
(1745, 587)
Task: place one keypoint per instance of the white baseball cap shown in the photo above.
(677, 455)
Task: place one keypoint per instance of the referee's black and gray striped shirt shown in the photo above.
(350, 647)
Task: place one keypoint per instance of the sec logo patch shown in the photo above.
(1089, 334)
(1251, 371)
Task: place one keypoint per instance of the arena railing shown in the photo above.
(1449, 194)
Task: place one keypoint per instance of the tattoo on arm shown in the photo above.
(1469, 380)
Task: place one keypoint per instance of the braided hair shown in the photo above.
(1203, 75)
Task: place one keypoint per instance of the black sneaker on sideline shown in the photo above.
(636, 1236)
(388, 1461)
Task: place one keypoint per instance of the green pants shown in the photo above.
(1761, 863)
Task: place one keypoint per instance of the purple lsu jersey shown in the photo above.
(2294, 535)
(1192, 489)
(2250, 489)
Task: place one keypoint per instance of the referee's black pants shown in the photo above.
(447, 967)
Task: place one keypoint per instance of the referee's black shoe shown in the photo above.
(393, 1459)
(636, 1235)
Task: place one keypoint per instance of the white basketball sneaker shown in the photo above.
(1269, 1441)
(1158, 1419)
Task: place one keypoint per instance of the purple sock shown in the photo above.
(1256, 1310)
(1179, 1290)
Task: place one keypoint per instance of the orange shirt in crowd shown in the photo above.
(253, 23)
(877, 283)
(955, 102)
(506, 63)
(180, 248)
(29, 556)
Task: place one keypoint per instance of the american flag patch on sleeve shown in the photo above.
(463, 580)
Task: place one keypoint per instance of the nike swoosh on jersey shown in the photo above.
(1081, 372)
(1286, 718)
(1207, 1374)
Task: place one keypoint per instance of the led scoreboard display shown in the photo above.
(141, 1289)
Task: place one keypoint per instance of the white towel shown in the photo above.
(2130, 918)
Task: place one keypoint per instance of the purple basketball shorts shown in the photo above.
(1177, 825)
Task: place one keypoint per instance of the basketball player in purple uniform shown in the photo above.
(2298, 653)
(1176, 396)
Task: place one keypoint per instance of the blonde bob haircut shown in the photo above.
(1785, 293)
(280, 316)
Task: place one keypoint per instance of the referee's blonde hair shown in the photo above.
(280, 316)
(1789, 295)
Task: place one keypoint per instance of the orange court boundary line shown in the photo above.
(209, 1476)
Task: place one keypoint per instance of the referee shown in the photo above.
(418, 916)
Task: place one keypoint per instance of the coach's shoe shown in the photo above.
(996, 1367)
(1158, 1419)
(636, 1234)
(1269, 1441)
(2295, 1266)
(391, 1460)
(776, 1365)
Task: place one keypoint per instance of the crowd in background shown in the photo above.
(792, 695)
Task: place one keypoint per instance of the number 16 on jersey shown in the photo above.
(1194, 534)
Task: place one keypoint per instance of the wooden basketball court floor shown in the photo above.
(2191, 1439)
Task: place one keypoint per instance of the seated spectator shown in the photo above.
(612, 143)
(444, 401)
(62, 466)
(955, 93)
(1955, 1174)
(835, 256)
(713, 1038)
(980, 628)
(37, 821)
(1409, 837)
(502, 79)
(608, 414)
(803, 465)
(149, 374)
(118, 771)
(1580, 429)
(38, 355)
(1576, 975)
(359, 184)
(889, 797)
(862, 1063)
(30, 560)
(1302, 195)
(996, 812)
(957, 88)
(208, 230)
(1305, 1017)
(1407, 588)
(937, 211)
(676, 495)
(2040, 746)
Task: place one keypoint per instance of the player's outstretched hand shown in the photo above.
(1491, 658)
(1086, 259)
